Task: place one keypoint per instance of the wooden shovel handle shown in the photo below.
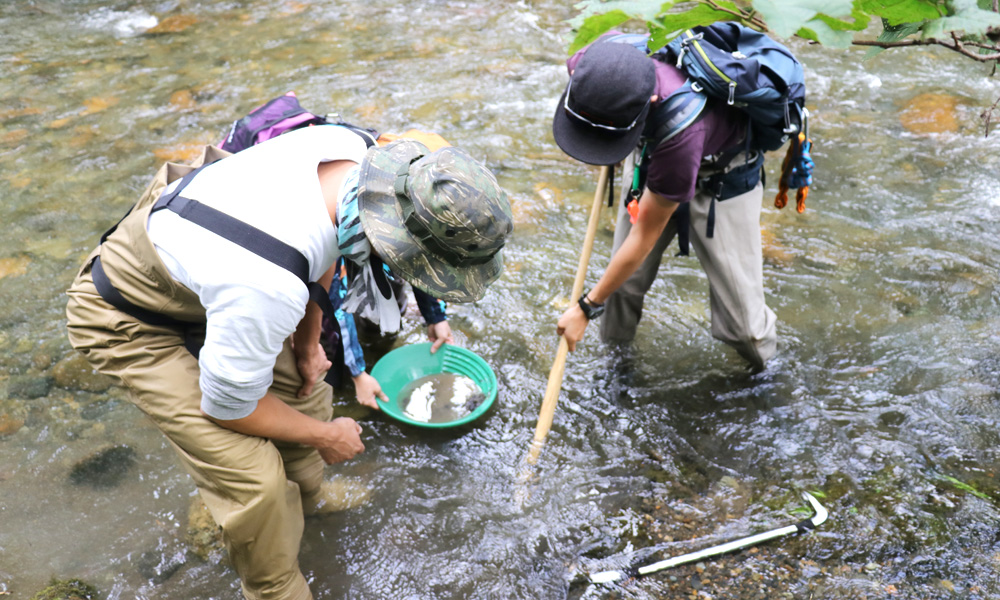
(559, 364)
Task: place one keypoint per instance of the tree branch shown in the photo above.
(987, 115)
(741, 15)
(954, 45)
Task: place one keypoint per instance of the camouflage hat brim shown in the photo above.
(382, 221)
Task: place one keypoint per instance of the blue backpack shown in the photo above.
(747, 70)
(751, 72)
(734, 63)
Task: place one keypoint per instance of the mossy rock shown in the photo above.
(203, 533)
(69, 589)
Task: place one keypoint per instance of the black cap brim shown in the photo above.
(593, 145)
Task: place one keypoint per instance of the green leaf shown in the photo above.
(962, 486)
(967, 18)
(672, 24)
(596, 25)
(785, 17)
(897, 12)
(859, 23)
(826, 35)
(645, 10)
(893, 33)
(658, 37)
(807, 34)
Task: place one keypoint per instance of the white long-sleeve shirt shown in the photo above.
(252, 304)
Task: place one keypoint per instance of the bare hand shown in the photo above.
(342, 441)
(312, 363)
(367, 389)
(572, 324)
(439, 334)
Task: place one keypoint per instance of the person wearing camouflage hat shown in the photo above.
(206, 302)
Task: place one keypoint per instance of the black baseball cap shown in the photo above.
(601, 114)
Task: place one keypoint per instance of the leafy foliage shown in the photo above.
(969, 27)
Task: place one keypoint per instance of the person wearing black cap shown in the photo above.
(607, 114)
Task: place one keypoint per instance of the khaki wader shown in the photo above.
(255, 488)
(732, 260)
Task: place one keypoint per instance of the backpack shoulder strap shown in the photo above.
(243, 234)
(674, 114)
(246, 236)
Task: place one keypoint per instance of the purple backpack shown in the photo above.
(279, 116)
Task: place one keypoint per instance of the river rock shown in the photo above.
(10, 424)
(159, 566)
(930, 113)
(14, 266)
(203, 533)
(105, 468)
(75, 373)
(69, 589)
(12, 416)
(29, 387)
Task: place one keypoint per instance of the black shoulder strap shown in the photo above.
(245, 235)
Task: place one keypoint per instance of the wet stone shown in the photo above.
(75, 373)
(930, 113)
(12, 417)
(203, 534)
(29, 387)
(96, 410)
(69, 589)
(105, 468)
(158, 567)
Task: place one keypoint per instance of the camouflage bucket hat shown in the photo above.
(438, 219)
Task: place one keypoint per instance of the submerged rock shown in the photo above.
(69, 589)
(157, 566)
(28, 387)
(105, 468)
(12, 416)
(930, 113)
(75, 373)
(203, 533)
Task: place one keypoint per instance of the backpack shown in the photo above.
(281, 115)
(747, 70)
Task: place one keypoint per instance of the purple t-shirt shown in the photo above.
(673, 168)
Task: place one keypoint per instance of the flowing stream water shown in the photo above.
(883, 399)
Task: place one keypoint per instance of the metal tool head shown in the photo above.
(821, 512)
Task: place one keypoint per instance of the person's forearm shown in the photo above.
(337, 440)
(431, 309)
(275, 420)
(653, 216)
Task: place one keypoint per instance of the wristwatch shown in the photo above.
(591, 310)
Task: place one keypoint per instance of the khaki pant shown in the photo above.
(733, 261)
(253, 487)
